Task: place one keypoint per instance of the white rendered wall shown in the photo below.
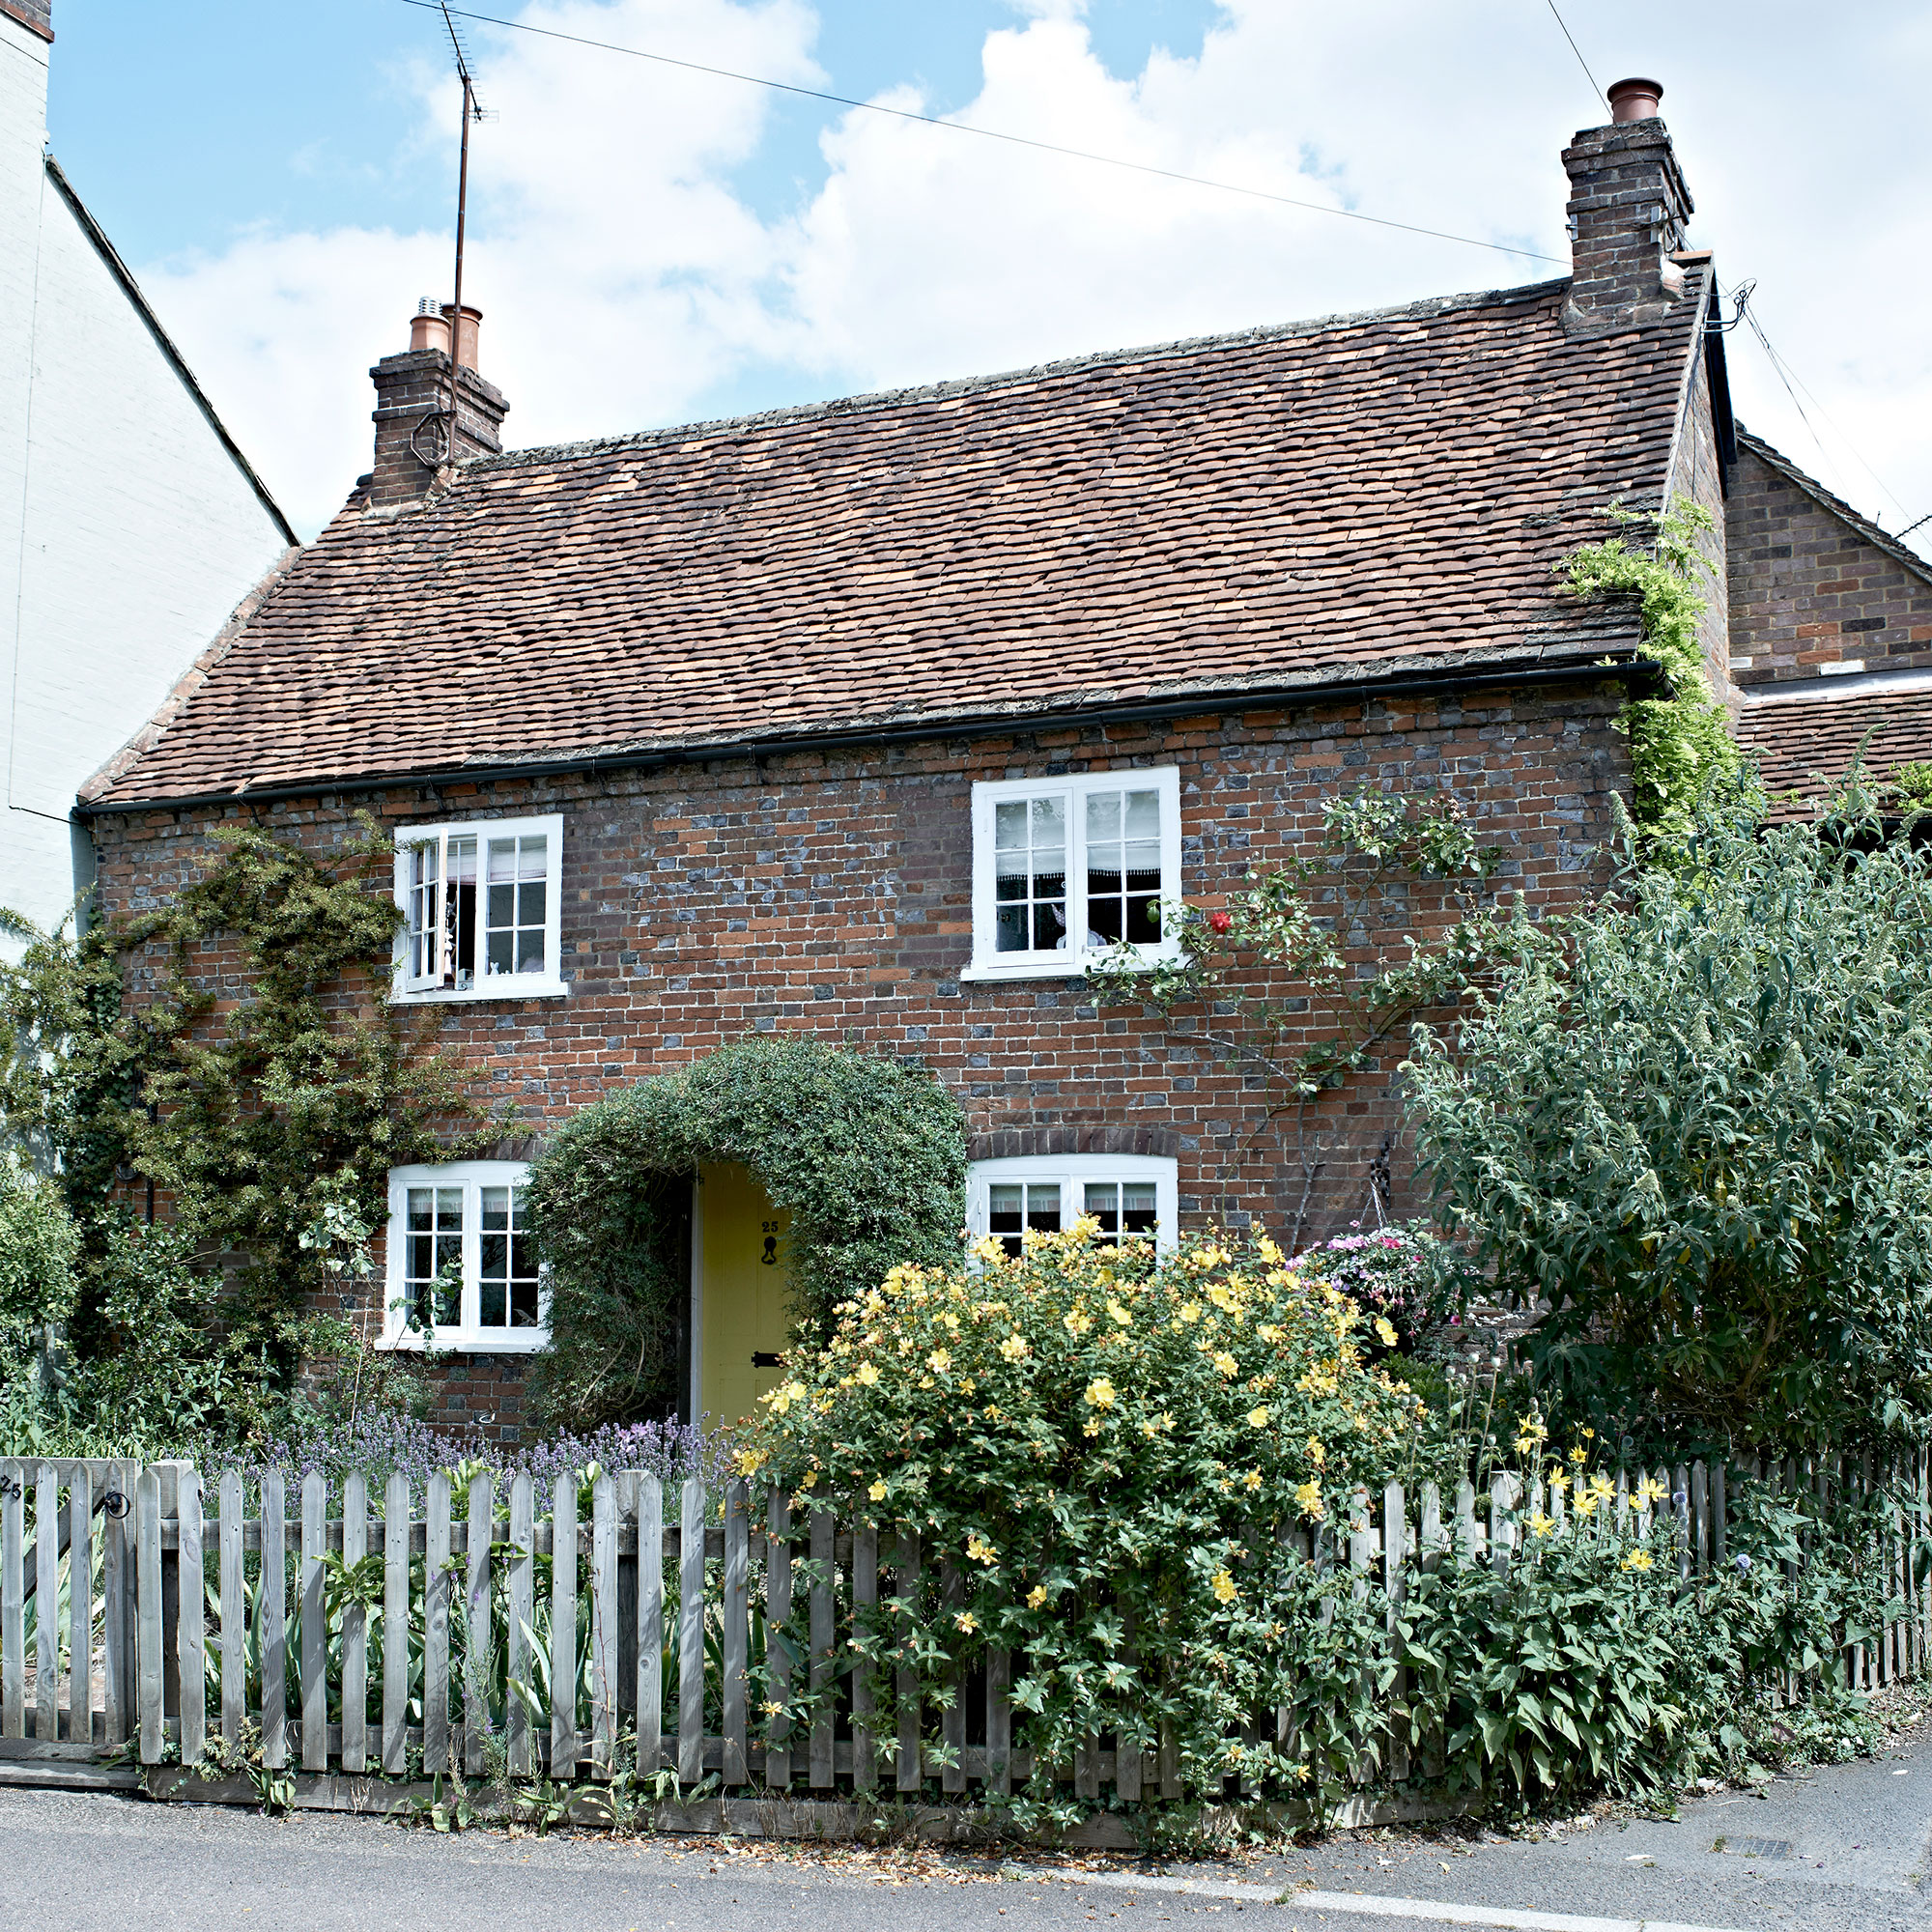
(127, 531)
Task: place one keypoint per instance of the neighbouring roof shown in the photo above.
(1805, 745)
(1890, 546)
(1282, 510)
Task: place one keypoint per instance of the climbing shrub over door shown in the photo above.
(866, 1154)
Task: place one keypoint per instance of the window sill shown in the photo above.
(491, 989)
(512, 1342)
(1082, 968)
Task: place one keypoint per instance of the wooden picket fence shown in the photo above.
(133, 1615)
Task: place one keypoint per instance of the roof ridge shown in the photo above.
(879, 399)
(1826, 499)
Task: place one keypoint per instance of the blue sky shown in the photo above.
(651, 247)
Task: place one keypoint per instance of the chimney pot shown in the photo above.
(428, 330)
(466, 336)
(1634, 100)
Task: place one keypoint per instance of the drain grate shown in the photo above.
(1755, 1848)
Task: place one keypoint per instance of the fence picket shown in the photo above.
(999, 1721)
(819, 1640)
(117, 1607)
(12, 1607)
(354, 1627)
(777, 1643)
(691, 1632)
(519, 1616)
(865, 1601)
(563, 1739)
(271, 1638)
(476, 1625)
(229, 1507)
(906, 1680)
(604, 1626)
(952, 1718)
(1502, 1531)
(736, 1648)
(395, 1624)
(437, 1586)
(192, 1644)
(46, 1600)
(314, 1624)
(1467, 1541)
(650, 1624)
(147, 1613)
(80, 1606)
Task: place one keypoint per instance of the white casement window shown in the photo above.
(1127, 1194)
(1066, 869)
(481, 903)
(462, 1263)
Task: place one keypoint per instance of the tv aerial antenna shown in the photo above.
(434, 438)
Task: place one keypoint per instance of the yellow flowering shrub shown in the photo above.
(1113, 1449)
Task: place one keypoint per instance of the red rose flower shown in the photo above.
(1219, 921)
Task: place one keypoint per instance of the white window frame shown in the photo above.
(426, 989)
(989, 962)
(466, 1334)
(1074, 1170)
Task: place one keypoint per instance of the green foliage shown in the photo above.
(253, 1119)
(38, 1245)
(1681, 745)
(1273, 982)
(867, 1155)
(1118, 1450)
(1697, 1122)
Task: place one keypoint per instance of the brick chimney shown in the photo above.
(37, 14)
(1628, 206)
(413, 445)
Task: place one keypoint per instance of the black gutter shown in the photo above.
(1640, 670)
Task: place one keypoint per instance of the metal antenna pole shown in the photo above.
(462, 209)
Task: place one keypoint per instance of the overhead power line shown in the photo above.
(1579, 53)
(996, 134)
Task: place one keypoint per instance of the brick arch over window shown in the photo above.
(1033, 1143)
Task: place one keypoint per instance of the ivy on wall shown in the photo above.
(1681, 742)
(260, 1086)
(866, 1154)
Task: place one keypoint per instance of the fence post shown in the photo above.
(650, 1626)
(521, 1618)
(435, 1624)
(821, 1639)
(314, 1623)
(229, 1509)
(777, 1643)
(13, 1604)
(46, 1601)
(907, 1679)
(603, 1628)
(864, 1598)
(80, 1607)
(395, 1624)
(116, 1605)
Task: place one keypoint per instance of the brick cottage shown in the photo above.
(876, 720)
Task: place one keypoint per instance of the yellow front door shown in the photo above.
(744, 1301)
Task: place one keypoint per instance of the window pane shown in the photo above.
(1043, 1207)
(434, 1243)
(1137, 1207)
(460, 914)
(1030, 874)
(1104, 1202)
(519, 901)
(422, 909)
(1124, 876)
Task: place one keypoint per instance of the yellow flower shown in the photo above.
(1308, 1499)
(1037, 1596)
(877, 1491)
(1258, 1418)
(868, 1374)
(1077, 1321)
(1015, 1348)
(1638, 1559)
(1226, 1363)
(1224, 1587)
(1222, 1297)
(1652, 1491)
(1579, 1455)
(1099, 1393)
(1385, 1329)
(1091, 1427)
(1267, 1332)
(988, 1248)
(1540, 1524)
(750, 1461)
(1586, 1502)
(1253, 1479)
(1190, 1311)
(810, 1478)
(1267, 1250)
(1559, 1484)
(1316, 1455)
(939, 1361)
(967, 1621)
(1119, 1315)
(979, 1550)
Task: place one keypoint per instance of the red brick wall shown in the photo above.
(832, 894)
(1806, 590)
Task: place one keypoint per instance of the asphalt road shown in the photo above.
(1839, 1850)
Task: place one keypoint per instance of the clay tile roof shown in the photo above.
(1286, 509)
(1805, 745)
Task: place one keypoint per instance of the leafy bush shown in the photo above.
(1118, 1449)
(38, 1245)
(1697, 1122)
(868, 1156)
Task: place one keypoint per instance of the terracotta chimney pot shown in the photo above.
(465, 336)
(428, 328)
(1634, 100)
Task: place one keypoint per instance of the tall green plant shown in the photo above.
(1694, 1125)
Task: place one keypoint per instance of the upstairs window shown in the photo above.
(463, 1264)
(1066, 869)
(1127, 1194)
(481, 903)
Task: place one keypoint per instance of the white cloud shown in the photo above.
(627, 279)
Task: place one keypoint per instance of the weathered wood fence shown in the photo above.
(433, 1633)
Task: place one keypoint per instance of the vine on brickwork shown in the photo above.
(263, 1124)
(866, 1154)
(1311, 967)
(1681, 742)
